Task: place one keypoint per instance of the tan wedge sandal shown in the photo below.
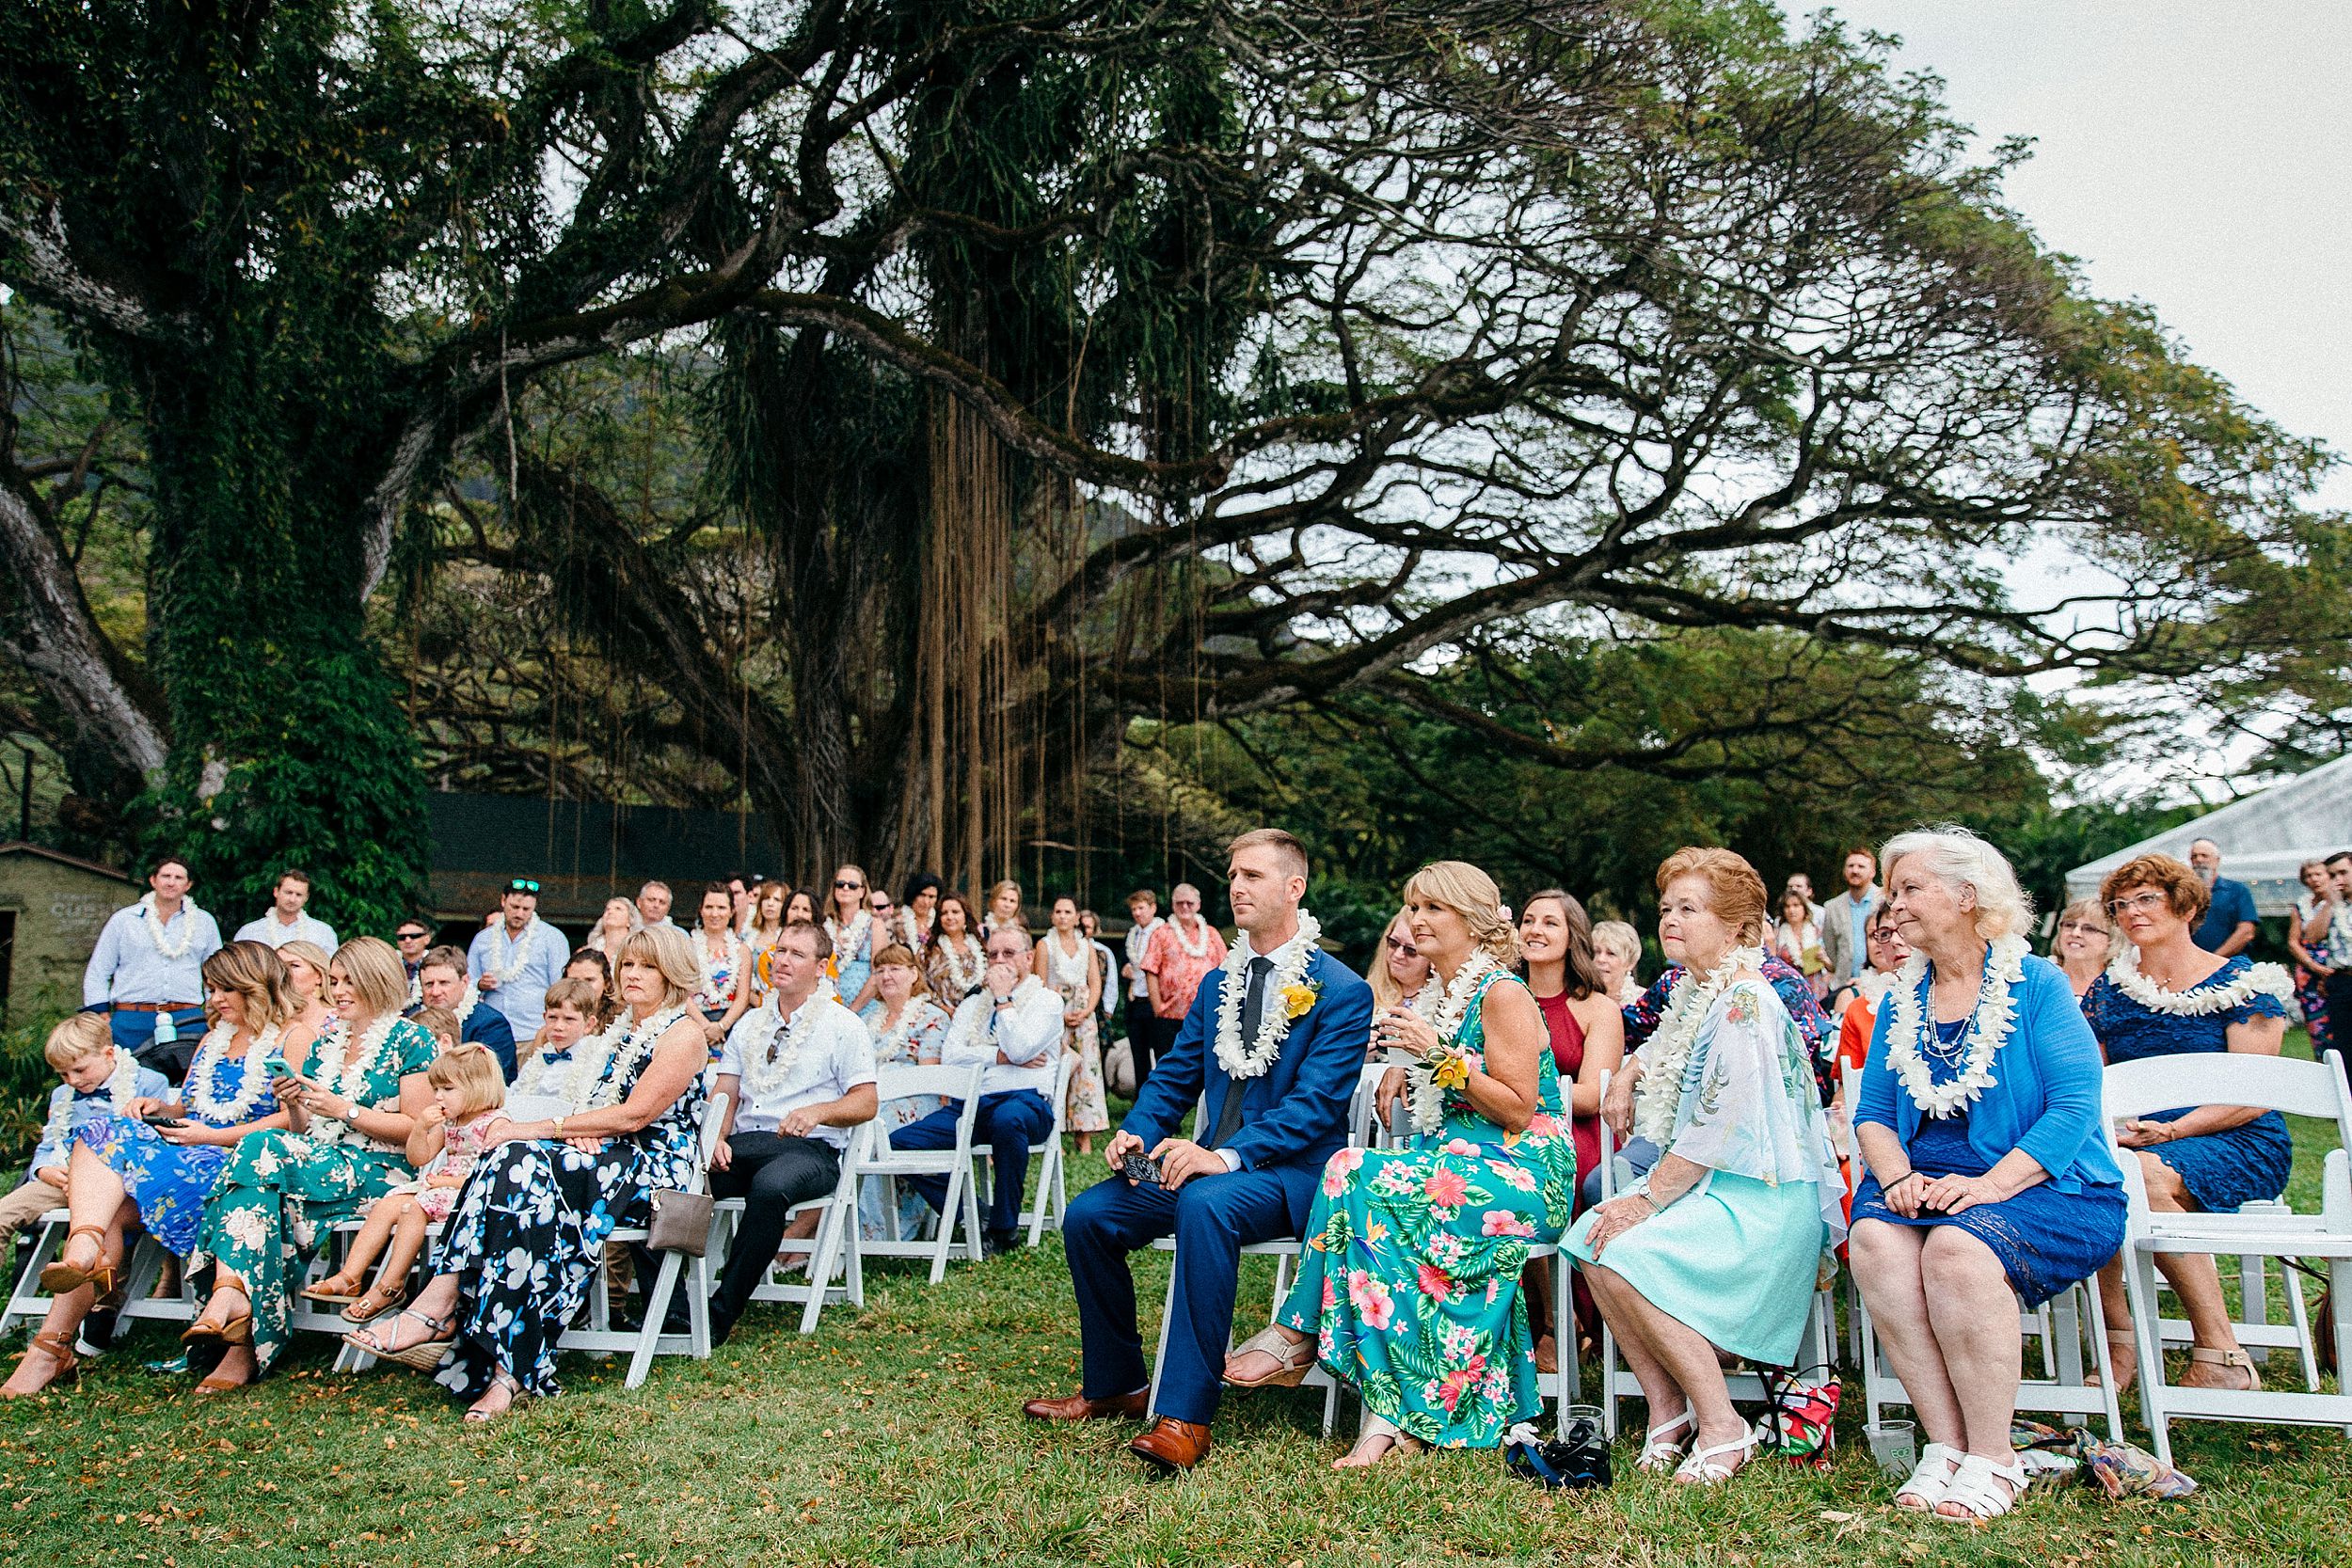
(1293, 1360)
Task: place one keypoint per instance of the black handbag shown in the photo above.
(681, 1223)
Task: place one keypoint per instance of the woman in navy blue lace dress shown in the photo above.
(2170, 997)
(522, 1244)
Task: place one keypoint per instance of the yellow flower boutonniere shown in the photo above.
(1300, 998)
(1450, 1070)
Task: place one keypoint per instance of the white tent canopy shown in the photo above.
(2265, 838)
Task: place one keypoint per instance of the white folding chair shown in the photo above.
(2273, 1083)
(647, 1341)
(881, 1162)
(1361, 1120)
(26, 1297)
(834, 1243)
(143, 1265)
(2256, 1334)
(1053, 1197)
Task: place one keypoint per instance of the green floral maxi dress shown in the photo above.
(281, 1193)
(1410, 1276)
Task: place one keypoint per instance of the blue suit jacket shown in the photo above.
(486, 1026)
(1293, 1114)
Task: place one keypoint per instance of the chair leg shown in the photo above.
(1564, 1342)
(2098, 1318)
(947, 1215)
(656, 1308)
(1159, 1357)
(2291, 1281)
(820, 1266)
(973, 1235)
(2140, 1276)
(1044, 1185)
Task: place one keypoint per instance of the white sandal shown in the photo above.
(1929, 1480)
(1705, 1468)
(1971, 1488)
(1658, 1452)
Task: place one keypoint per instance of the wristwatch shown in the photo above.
(559, 1129)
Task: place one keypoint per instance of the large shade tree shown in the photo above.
(1192, 358)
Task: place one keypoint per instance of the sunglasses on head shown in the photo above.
(522, 884)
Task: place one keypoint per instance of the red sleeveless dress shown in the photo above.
(1568, 1054)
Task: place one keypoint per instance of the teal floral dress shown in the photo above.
(282, 1193)
(1411, 1276)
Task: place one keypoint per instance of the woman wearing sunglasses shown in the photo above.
(851, 925)
(1400, 973)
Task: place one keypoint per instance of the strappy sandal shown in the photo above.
(515, 1396)
(374, 1305)
(1931, 1479)
(1658, 1450)
(1293, 1360)
(1400, 1443)
(60, 1277)
(424, 1354)
(1705, 1468)
(235, 1330)
(333, 1298)
(58, 1347)
(1973, 1489)
(2200, 1356)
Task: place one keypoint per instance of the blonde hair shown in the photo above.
(309, 953)
(374, 968)
(255, 973)
(1472, 895)
(1615, 936)
(1386, 992)
(1734, 890)
(474, 1071)
(668, 950)
(1288, 852)
(1958, 859)
(900, 954)
(78, 1039)
(586, 1000)
(442, 1024)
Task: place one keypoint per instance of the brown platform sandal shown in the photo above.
(60, 1277)
(58, 1347)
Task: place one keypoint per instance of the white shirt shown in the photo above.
(1139, 942)
(305, 927)
(835, 1057)
(1028, 1030)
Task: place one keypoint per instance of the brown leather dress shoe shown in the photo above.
(1077, 1407)
(1172, 1445)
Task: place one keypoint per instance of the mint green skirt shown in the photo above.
(1737, 1263)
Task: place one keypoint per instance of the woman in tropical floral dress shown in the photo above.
(522, 1246)
(349, 1109)
(1409, 1285)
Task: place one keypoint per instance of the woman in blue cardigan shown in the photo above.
(1989, 1176)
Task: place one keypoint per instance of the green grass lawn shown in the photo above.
(895, 1436)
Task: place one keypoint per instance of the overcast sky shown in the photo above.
(2193, 153)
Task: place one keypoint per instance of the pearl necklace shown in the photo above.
(2125, 975)
(251, 1083)
(625, 1050)
(1446, 1013)
(344, 1072)
(1658, 1094)
(1274, 1020)
(1910, 1030)
(155, 924)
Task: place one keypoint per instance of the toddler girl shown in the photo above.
(469, 1100)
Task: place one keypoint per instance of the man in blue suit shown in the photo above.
(1278, 1076)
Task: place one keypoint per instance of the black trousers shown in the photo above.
(1143, 1037)
(2338, 988)
(770, 1173)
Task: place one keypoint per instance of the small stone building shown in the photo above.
(52, 907)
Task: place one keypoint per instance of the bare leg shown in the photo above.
(1689, 1362)
(804, 1225)
(375, 1232)
(1536, 1290)
(1660, 1391)
(1888, 1265)
(1975, 1316)
(2194, 1280)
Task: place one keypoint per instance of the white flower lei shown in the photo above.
(890, 1040)
(961, 980)
(2197, 1002)
(2340, 933)
(846, 939)
(466, 1004)
(1055, 963)
(344, 1073)
(904, 928)
(121, 1088)
(602, 1087)
(1274, 1020)
(154, 924)
(1447, 1007)
(1192, 948)
(530, 1076)
(251, 1084)
(1910, 1031)
(767, 1061)
(506, 973)
(960, 1032)
(1658, 1095)
(708, 988)
(416, 988)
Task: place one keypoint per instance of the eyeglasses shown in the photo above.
(1882, 936)
(2138, 903)
(2080, 926)
(1397, 945)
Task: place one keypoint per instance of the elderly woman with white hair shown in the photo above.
(1990, 1178)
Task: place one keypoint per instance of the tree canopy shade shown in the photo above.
(1055, 363)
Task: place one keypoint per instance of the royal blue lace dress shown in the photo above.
(2045, 1239)
(2221, 1170)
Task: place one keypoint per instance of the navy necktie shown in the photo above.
(1252, 1010)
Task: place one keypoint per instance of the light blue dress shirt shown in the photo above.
(277, 933)
(127, 966)
(523, 1000)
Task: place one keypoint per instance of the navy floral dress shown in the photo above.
(2221, 1170)
(530, 1227)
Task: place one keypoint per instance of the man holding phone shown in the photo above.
(1278, 1069)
